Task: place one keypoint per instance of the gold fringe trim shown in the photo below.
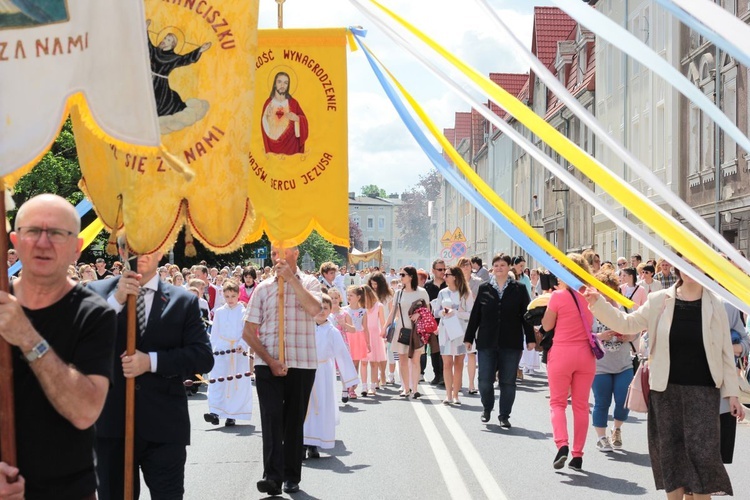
(189, 242)
(292, 241)
(87, 118)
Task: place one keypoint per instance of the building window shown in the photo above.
(707, 142)
(370, 223)
(694, 128)
(381, 223)
(356, 220)
(729, 98)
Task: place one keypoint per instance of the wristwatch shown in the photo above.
(37, 351)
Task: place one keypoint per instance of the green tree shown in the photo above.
(58, 172)
(373, 191)
(320, 250)
(412, 218)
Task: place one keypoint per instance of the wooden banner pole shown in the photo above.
(129, 473)
(7, 402)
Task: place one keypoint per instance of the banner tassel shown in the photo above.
(112, 240)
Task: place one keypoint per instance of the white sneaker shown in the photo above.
(616, 439)
(390, 379)
(603, 444)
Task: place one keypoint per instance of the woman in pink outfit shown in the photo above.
(571, 367)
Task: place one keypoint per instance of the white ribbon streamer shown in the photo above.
(719, 40)
(626, 42)
(698, 222)
(558, 170)
(724, 29)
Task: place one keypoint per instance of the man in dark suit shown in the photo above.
(171, 345)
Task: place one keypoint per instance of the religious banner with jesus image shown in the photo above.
(298, 156)
(57, 55)
(201, 55)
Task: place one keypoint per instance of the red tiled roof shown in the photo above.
(550, 25)
(571, 78)
(477, 131)
(512, 83)
(462, 127)
(449, 134)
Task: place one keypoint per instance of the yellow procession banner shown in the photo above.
(355, 256)
(299, 156)
(201, 55)
(61, 54)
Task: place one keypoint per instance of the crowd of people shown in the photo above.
(219, 327)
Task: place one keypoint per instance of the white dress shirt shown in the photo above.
(151, 287)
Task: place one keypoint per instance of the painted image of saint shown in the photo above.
(21, 13)
(284, 124)
(174, 112)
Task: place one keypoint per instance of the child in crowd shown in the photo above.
(322, 413)
(343, 323)
(374, 323)
(199, 285)
(359, 343)
(230, 396)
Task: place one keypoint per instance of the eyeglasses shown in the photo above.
(441, 270)
(54, 235)
(620, 264)
(402, 274)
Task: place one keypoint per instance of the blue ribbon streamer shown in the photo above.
(461, 185)
(81, 209)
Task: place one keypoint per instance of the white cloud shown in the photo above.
(381, 150)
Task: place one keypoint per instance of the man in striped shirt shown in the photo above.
(283, 386)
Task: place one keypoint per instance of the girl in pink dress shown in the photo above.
(359, 343)
(374, 323)
(343, 323)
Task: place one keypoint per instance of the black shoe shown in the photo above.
(211, 418)
(485, 416)
(416, 395)
(436, 381)
(504, 422)
(364, 394)
(291, 487)
(560, 458)
(230, 422)
(441, 383)
(312, 452)
(344, 396)
(269, 486)
(576, 463)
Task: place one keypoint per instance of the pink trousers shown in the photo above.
(570, 370)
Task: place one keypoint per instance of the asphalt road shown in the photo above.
(391, 448)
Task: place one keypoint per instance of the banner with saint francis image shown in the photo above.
(201, 55)
(56, 55)
(298, 155)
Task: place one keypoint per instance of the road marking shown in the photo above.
(484, 477)
(450, 473)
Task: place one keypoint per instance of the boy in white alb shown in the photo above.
(323, 411)
(230, 392)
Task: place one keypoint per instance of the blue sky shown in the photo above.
(381, 151)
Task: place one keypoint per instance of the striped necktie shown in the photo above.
(140, 311)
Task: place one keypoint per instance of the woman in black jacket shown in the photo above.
(501, 333)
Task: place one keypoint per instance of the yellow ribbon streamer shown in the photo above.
(89, 232)
(478, 183)
(685, 242)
